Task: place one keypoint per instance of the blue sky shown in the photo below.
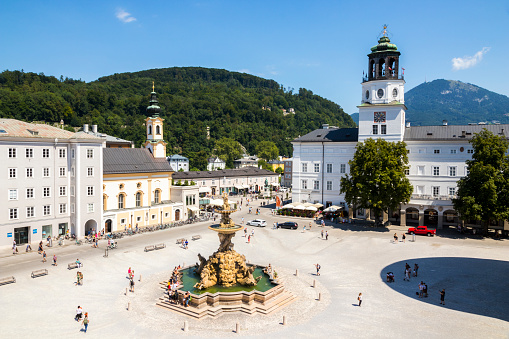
(319, 45)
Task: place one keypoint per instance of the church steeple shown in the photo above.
(153, 108)
(383, 60)
(154, 124)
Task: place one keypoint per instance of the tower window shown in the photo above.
(383, 129)
(149, 129)
(158, 130)
(375, 129)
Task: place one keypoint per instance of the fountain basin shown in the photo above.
(227, 229)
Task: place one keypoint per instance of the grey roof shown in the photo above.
(330, 135)
(109, 138)
(132, 160)
(238, 172)
(213, 159)
(177, 157)
(451, 132)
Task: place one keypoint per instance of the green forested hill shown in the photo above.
(191, 99)
(458, 102)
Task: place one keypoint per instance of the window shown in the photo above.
(72, 191)
(329, 185)
(90, 191)
(166, 215)
(436, 151)
(329, 168)
(316, 184)
(45, 152)
(452, 171)
(30, 212)
(453, 151)
(62, 171)
(30, 172)
(138, 219)
(46, 192)
(90, 153)
(317, 168)
(13, 173)
(407, 171)
(61, 152)
(436, 170)
(29, 193)
(383, 129)
(420, 170)
(72, 171)
(436, 191)
(470, 151)
(375, 129)
(13, 213)
(45, 172)
(153, 216)
(419, 189)
(452, 190)
(29, 153)
(63, 191)
(72, 208)
(12, 153)
(304, 168)
(122, 221)
(304, 184)
(422, 150)
(13, 194)
(138, 199)
(63, 208)
(121, 201)
(72, 153)
(46, 210)
(90, 208)
(90, 171)
(156, 196)
(342, 168)
(467, 172)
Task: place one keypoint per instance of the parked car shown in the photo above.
(424, 230)
(257, 222)
(289, 224)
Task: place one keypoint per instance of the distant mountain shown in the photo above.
(355, 117)
(457, 102)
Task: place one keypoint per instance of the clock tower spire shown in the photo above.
(382, 108)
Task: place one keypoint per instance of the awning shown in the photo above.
(300, 207)
(333, 208)
(204, 190)
(274, 183)
(288, 206)
(220, 202)
(193, 208)
(311, 208)
(239, 187)
(246, 186)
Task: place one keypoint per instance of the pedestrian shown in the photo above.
(186, 244)
(322, 234)
(129, 272)
(318, 269)
(78, 262)
(43, 256)
(359, 298)
(14, 248)
(416, 268)
(242, 222)
(421, 288)
(131, 284)
(323, 223)
(79, 314)
(29, 248)
(425, 290)
(403, 237)
(252, 232)
(40, 248)
(248, 239)
(54, 260)
(245, 232)
(304, 229)
(395, 238)
(85, 322)
(442, 297)
(326, 235)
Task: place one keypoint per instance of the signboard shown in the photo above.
(35, 231)
(9, 235)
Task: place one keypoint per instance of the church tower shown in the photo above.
(382, 111)
(154, 124)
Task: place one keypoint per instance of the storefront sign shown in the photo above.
(9, 235)
(35, 230)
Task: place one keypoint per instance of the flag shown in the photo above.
(403, 70)
(390, 69)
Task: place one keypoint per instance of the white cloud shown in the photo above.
(244, 70)
(124, 16)
(469, 61)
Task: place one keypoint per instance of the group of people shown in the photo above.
(79, 278)
(326, 235)
(403, 238)
(79, 315)
(185, 244)
(408, 271)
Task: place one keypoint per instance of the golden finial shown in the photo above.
(153, 87)
(385, 30)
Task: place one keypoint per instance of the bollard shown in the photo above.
(237, 328)
(106, 253)
(126, 291)
(129, 306)
(296, 273)
(314, 283)
(140, 278)
(319, 296)
(284, 320)
(186, 326)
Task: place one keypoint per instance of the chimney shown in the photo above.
(85, 128)
(94, 129)
(444, 122)
(325, 126)
(408, 124)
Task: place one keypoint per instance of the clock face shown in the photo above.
(395, 92)
(380, 93)
(367, 94)
(379, 117)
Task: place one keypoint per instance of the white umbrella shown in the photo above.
(287, 206)
(307, 204)
(300, 207)
(311, 208)
(318, 205)
(332, 208)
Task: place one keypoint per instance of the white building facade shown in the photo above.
(437, 154)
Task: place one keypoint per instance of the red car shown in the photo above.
(424, 230)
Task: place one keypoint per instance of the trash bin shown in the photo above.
(413, 237)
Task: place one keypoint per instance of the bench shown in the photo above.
(179, 241)
(196, 237)
(39, 273)
(73, 265)
(7, 280)
(159, 246)
(150, 248)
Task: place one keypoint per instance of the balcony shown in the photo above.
(432, 197)
(383, 77)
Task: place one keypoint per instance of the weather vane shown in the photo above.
(153, 86)
(385, 30)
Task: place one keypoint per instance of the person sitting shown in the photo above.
(29, 248)
(390, 277)
(78, 262)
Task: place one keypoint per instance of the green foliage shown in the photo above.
(279, 170)
(267, 150)
(459, 103)
(228, 150)
(264, 165)
(377, 176)
(191, 99)
(484, 193)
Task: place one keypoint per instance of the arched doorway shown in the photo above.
(177, 215)
(431, 217)
(412, 216)
(450, 218)
(107, 226)
(213, 191)
(90, 226)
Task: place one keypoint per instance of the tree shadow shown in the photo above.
(477, 286)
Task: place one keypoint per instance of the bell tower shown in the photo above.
(382, 108)
(154, 125)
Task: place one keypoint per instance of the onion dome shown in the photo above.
(384, 45)
(154, 108)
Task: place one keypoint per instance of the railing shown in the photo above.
(432, 197)
(383, 77)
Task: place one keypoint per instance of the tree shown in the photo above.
(228, 150)
(267, 150)
(279, 170)
(377, 176)
(483, 194)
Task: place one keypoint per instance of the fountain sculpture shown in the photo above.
(225, 267)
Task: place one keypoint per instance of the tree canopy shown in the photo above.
(377, 176)
(267, 150)
(483, 194)
(228, 150)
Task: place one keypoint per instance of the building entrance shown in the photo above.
(21, 235)
(107, 225)
(62, 228)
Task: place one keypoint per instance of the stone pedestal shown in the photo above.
(402, 217)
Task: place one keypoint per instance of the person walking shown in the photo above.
(252, 232)
(442, 297)
(245, 232)
(359, 298)
(304, 229)
(318, 269)
(425, 290)
(43, 256)
(403, 237)
(242, 222)
(85, 322)
(421, 288)
(248, 239)
(186, 243)
(131, 284)
(79, 314)
(395, 238)
(55, 260)
(322, 234)
(129, 272)
(326, 235)
(14, 248)
(416, 268)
